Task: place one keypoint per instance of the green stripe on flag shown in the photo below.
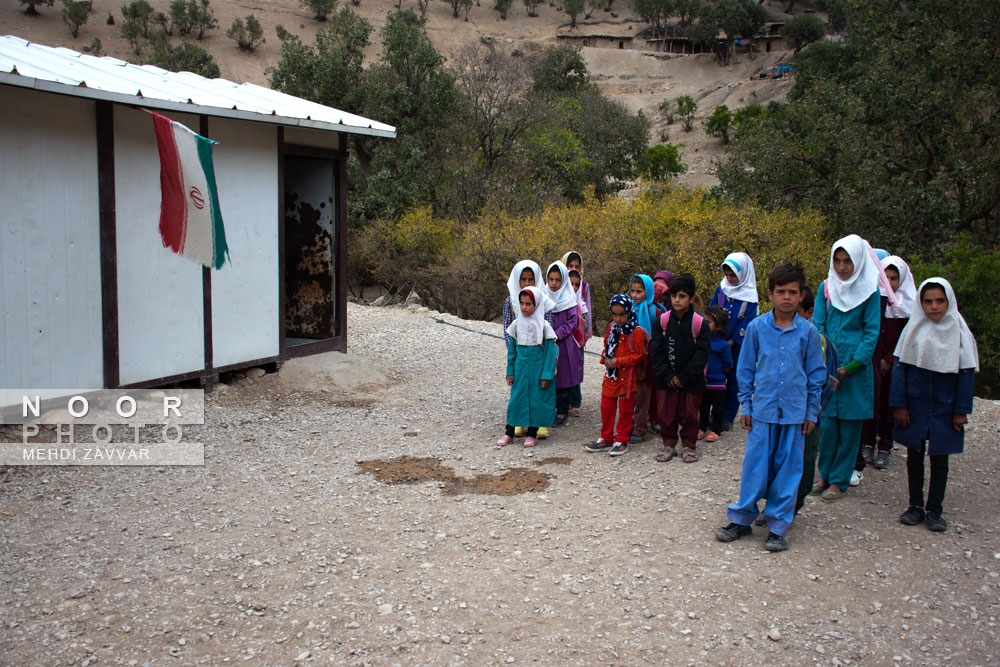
(220, 250)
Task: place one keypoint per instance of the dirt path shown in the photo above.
(282, 550)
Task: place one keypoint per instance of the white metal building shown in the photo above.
(89, 297)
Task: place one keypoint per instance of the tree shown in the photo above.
(201, 17)
(248, 36)
(186, 57)
(330, 72)
(456, 5)
(321, 9)
(532, 6)
(719, 123)
(803, 30)
(502, 6)
(30, 5)
(138, 13)
(179, 19)
(686, 108)
(615, 139)
(573, 8)
(662, 161)
(688, 10)
(654, 12)
(560, 69)
(95, 48)
(737, 18)
(75, 14)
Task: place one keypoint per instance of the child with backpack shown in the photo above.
(679, 350)
(720, 362)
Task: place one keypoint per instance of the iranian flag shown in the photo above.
(190, 219)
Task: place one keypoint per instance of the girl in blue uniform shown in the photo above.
(848, 312)
(737, 293)
(931, 395)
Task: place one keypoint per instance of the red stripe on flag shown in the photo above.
(173, 209)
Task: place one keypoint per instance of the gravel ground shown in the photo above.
(279, 552)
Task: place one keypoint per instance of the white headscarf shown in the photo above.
(868, 275)
(945, 346)
(514, 282)
(746, 289)
(533, 329)
(564, 298)
(906, 295)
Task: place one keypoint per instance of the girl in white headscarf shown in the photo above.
(525, 273)
(876, 451)
(931, 397)
(737, 293)
(531, 367)
(565, 316)
(848, 312)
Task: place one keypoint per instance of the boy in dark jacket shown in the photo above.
(679, 349)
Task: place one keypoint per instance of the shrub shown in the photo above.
(30, 5)
(719, 123)
(249, 35)
(186, 57)
(680, 230)
(75, 14)
(661, 162)
(320, 8)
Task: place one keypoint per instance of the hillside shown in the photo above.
(639, 79)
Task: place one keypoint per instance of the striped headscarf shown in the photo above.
(617, 331)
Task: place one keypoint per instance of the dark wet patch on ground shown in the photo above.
(553, 460)
(412, 469)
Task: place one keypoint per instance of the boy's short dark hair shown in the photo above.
(784, 273)
(721, 317)
(808, 300)
(683, 282)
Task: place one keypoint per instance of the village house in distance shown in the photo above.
(90, 298)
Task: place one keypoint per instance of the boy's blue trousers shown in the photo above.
(772, 468)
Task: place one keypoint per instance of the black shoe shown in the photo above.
(619, 449)
(733, 531)
(775, 542)
(560, 420)
(881, 461)
(912, 516)
(654, 427)
(866, 453)
(936, 523)
(599, 445)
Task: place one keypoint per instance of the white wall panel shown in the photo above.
(50, 275)
(245, 296)
(160, 311)
(304, 136)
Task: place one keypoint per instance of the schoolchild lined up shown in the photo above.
(643, 293)
(737, 293)
(565, 315)
(720, 362)
(781, 374)
(531, 365)
(525, 273)
(679, 350)
(625, 351)
(848, 312)
(876, 434)
(581, 335)
(931, 396)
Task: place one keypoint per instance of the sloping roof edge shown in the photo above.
(63, 71)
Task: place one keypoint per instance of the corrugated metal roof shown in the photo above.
(61, 70)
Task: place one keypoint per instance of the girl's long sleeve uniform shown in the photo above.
(566, 325)
(737, 324)
(932, 399)
(855, 334)
(630, 352)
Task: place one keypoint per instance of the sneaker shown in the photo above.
(856, 477)
(636, 439)
(712, 437)
(936, 523)
(618, 449)
(574, 412)
(701, 435)
(503, 441)
(733, 531)
(819, 487)
(560, 420)
(543, 432)
(599, 445)
(832, 494)
(867, 453)
(881, 460)
(912, 516)
(775, 542)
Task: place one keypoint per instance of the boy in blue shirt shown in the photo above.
(781, 373)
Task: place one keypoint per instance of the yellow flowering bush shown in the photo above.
(464, 268)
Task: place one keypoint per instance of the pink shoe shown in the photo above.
(503, 441)
(701, 435)
(711, 437)
(529, 442)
